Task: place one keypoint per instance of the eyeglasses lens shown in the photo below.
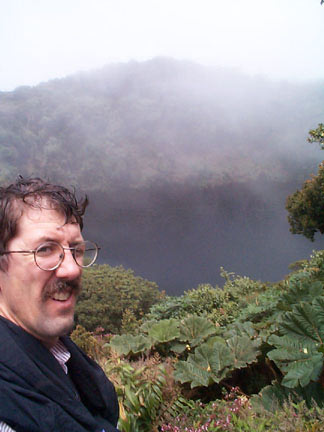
(85, 253)
(49, 255)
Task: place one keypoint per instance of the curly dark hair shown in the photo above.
(35, 192)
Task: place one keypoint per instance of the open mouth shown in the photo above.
(62, 291)
(61, 296)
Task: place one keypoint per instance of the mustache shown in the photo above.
(58, 286)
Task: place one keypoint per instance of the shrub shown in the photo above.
(113, 297)
(87, 342)
(139, 388)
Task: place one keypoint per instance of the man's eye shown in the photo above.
(79, 251)
(45, 250)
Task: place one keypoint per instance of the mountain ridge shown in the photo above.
(142, 123)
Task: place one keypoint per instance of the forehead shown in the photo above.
(36, 221)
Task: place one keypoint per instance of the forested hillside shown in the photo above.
(187, 167)
(160, 121)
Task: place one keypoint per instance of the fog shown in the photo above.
(187, 167)
(181, 237)
(43, 39)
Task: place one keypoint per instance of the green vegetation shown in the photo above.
(247, 356)
(242, 357)
(114, 299)
(140, 392)
(306, 206)
(221, 305)
(185, 365)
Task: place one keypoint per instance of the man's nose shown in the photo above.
(68, 269)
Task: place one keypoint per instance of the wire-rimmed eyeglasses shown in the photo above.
(50, 255)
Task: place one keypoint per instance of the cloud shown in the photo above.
(42, 39)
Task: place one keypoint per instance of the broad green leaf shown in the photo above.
(304, 322)
(299, 361)
(302, 371)
(121, 344)
(241, 329)
(190, 371)
(208, 364)
(178, 347)
(145, 327)
(211, 340)
(217, 359)
(195, 329)
(126, 344)
(164, 330)
(292, 344)
(300, 290)
(272, 397)
(318, 305)
(244, 350)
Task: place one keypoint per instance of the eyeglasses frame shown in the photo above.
(33, 251)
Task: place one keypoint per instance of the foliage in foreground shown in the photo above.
(140, 392)
(172, 373)
(235, 413)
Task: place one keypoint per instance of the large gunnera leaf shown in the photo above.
(164, 330)
(300, 290)
(299, 361)
(206, 365)
(126, 344)
(318, 304)
(305, 321)
(244, 350)
(145, 327)
(241, 329)
(272, 397)
(299, 351)
(195, 330)
(212, 363)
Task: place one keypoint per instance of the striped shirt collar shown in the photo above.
(61, 354)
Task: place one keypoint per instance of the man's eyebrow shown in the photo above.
(44, 239)
(47, 238)
(76, 242)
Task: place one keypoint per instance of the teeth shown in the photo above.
(61, 296)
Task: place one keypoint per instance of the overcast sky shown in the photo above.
(45, 39)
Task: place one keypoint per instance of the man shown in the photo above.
(46, 382)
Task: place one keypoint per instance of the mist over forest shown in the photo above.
(187, 167)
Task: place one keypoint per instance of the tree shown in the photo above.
(306, 206)
(110, 294)
(317, 135)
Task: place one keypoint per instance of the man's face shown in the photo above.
(41, 302)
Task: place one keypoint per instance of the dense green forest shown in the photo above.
(162, 121)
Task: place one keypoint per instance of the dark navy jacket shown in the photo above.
(37, 396)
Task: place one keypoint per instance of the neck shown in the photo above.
(50, 343)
